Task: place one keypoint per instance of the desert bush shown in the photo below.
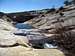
(66, 39)
(61, 8)
(1, 14)
(51, 10)
(73, 1)
(67, 3)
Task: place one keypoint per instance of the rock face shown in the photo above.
(34, 36)
(63, 25)
(21, 16)
(13, 45)
(58, 27)
(7, 38)
(51, 21)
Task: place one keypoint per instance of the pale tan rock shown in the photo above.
(4, 25)
(23, 51)
(51, 20)
(8, 38)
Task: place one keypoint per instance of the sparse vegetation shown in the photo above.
(61, 8)
(66, 39)
(1, 14)
(67, 2)
(73, 1)
(51, 10)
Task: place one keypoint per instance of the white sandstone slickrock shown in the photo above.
(51, 20)
(7, 38)
(6, 25)
(59, 24)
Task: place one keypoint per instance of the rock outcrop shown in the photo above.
(58, 26)
(63, 25)
(55, 20)
(21, 16)
(13, 45)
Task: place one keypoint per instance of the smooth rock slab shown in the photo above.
(7, 39)
(23, 51)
